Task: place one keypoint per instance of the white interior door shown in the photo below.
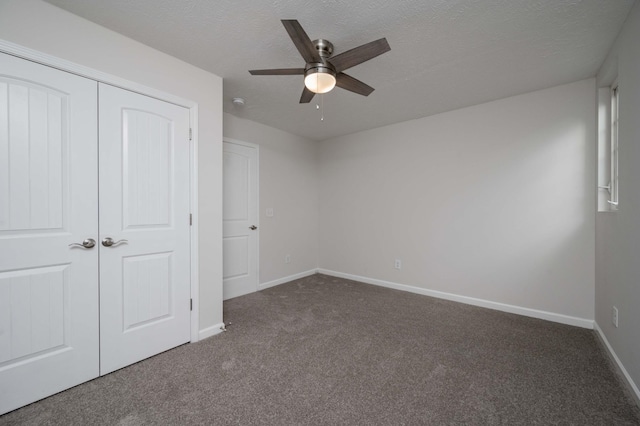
(48, 201)
(240, 220)
(144, 207)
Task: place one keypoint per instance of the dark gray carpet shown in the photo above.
(323, 350)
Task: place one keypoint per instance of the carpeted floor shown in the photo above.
(329, 351)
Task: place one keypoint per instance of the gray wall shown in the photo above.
(618, 233)
(493, 202)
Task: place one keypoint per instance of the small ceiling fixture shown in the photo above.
(238, 102)
(323, 72)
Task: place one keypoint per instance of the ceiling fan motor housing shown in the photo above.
(320, 77)
(324, 47)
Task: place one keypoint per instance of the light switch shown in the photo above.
(270, 212)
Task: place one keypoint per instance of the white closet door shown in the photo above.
(144, 208)
(48, 201)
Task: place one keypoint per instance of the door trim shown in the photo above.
(257, 148)
(102, 77)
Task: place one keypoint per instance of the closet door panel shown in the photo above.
(48, 202)
(144, 210)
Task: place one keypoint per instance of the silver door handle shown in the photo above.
(88, 243)
(108, 242)
(253, 227)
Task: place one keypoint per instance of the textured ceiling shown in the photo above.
(445, 54)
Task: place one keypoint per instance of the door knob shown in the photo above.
(253, 227)
(88, 243)
(108, 242)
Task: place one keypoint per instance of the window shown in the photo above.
(614, 178)
(608, 153)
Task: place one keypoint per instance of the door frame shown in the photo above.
(102, 77)
(257, 148)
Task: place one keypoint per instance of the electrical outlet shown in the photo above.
(614, 316)
(269, 212)
(398, 264)
(287, 258)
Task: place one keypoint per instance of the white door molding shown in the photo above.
(99, 76)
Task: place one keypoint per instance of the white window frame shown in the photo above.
(614, 182)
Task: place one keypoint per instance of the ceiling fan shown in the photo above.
(322, 71)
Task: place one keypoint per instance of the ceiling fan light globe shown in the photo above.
(320, 82)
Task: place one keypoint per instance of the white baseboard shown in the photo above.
(629, 381)
(211, 331)
(534, 313)
(287, 279)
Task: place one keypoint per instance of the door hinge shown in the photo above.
(190, 219)
(190, 133)
(191, 304)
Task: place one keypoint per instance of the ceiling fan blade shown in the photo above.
(359, 54)
(278, 71)
(301, 40)
(354, 85)
(307, 95)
